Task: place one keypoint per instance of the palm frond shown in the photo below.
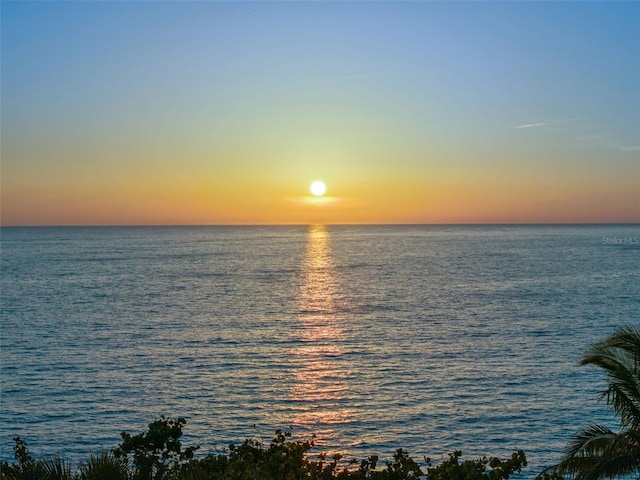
(623, 345)
(597, 452)
(591, 441)
(55, 468)
(103, 466)
(619, 356)
(624, 405)
(625, 339)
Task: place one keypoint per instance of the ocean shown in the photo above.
(371, 338)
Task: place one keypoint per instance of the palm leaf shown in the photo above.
(103, 466)
(619, 356)
(55, 468)
(597, 452)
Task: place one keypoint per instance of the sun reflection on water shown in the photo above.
(321, 388)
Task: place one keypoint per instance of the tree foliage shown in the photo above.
(453, 469)
(158, 454)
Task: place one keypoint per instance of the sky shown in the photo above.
(153, 113)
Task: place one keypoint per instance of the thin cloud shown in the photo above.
(629, 148)
(314, 201)
(530, 125)
(571, 120)
(605, 141)
(558, 121)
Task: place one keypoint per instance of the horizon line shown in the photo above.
(169, 225)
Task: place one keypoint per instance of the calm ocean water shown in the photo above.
(430, 338)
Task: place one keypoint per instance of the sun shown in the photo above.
(318, 188)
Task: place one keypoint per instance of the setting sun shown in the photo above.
(318, 188)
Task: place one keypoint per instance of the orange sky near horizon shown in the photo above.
(208, 203)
